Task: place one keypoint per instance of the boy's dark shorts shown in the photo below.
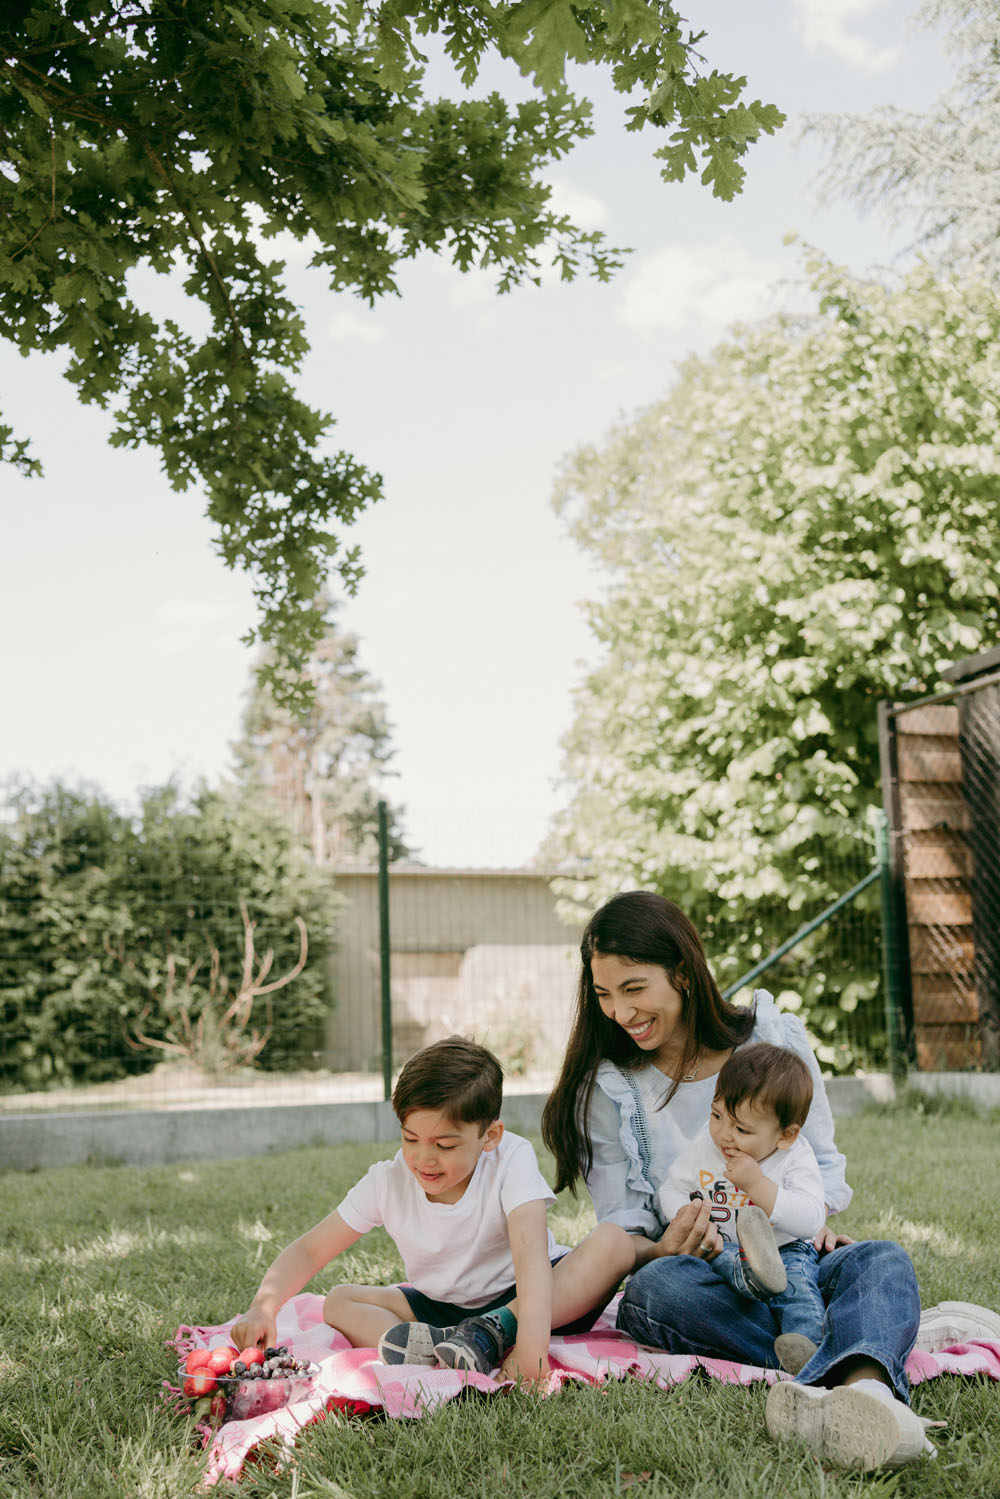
(448, 1314)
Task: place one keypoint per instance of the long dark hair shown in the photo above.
(644, 928)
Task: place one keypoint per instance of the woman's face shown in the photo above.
(641, 998)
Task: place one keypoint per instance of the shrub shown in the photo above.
(82, 886)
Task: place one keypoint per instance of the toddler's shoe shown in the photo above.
(952, 1322)
(478, 1344)
(847, 1427)
(767, 1273)
(412, 1343)
(794, 1351)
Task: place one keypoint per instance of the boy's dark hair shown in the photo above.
(457, 1077)
(767, 1077)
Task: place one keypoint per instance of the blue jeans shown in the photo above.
(869, 1289)
(798, 1308)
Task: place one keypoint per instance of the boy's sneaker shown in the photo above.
(847, 1427)
(794, 1351)
(412, 1343)
(478, 1344)
(759, 1252)
(952, 1322)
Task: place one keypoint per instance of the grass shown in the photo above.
(99, 1265)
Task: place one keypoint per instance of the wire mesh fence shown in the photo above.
(109, 1002)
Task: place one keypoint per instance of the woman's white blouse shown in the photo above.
(635, 1141)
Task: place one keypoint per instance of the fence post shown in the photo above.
(385, 960)
(890, 952)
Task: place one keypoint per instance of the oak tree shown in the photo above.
(180, 135)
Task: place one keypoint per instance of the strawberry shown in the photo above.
(197, 1359)
(202, 1382)
(252, 1356)
(221, 1360)
(217, 1409)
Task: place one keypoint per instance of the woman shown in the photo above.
(650, 1034)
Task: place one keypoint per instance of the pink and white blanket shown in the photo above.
(353, 1382)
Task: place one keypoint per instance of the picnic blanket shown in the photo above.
(353, 1382)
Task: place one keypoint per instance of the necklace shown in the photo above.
(689, 1077)
(666, 1066)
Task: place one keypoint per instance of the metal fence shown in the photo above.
(420, 952)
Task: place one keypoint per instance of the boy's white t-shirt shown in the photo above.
(453, 1251)
(799, 1210)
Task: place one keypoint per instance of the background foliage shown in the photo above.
(77, 874)
(926, 172)
(807, 523)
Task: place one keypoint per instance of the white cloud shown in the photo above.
(350, 322)
(824, 25)
(475, 287)
(586, 210)
(281, 246)
(694, 292)
(286, 246)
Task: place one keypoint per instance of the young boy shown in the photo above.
(762, 1180)
(465, 1204)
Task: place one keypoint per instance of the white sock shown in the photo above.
(877, 1388)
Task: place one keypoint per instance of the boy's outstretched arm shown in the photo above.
(287, 1274)
(529, 1247)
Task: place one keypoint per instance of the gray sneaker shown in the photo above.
(412, 1343)
(759, 1252)
(477, 1344)
(794, 1351)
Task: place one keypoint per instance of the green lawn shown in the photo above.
(99, 1265)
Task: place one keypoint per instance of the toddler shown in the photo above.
(761, 1178)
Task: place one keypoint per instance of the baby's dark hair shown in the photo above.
(456, 1076)
(767, 1077)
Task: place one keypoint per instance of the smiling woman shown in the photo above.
(651, 1036)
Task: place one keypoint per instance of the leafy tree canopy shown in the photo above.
(932, 172)
(320, 764)
(807, 523)
(181, 134)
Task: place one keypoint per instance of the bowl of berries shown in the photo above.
(238, 1386)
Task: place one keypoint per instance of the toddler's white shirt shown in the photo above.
(453, 1251)
(799, 1209)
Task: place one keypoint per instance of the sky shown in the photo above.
(123, 663)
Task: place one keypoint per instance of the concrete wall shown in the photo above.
(159, 1137)
(479, 952)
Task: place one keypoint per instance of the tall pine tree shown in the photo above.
(322, 765)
